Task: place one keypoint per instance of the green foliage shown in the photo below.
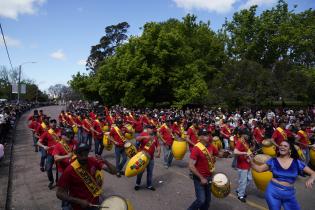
(253, 60)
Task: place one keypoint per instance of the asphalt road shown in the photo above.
(174, 189)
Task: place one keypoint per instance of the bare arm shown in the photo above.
(310, 181)
(237, 152)
(62, 194)
(191, 165)
(108, 167)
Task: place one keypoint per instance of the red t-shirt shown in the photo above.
(71, 181)
(150, 148)
(278, 137)
(192, 134)
(166, 135)
(303, 139)
(137, 124)
(242, 162)
(225, 131)
(48, 140)
(97, 125)
(59, 150)
(201, 160)
(87, 126)
(259, 134)
(117, 136)
(33, 125)
(176, 129)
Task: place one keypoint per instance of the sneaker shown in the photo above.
(51, 185)
(42, 169)
(36, 149)
(118, 174)
(241, 198)
(151, 188)
(137, 187)
(122, 173)
(166, 166)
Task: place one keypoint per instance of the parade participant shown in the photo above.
(47, 141)
(33, 126)
(279, 135)
(80, 184)
(285, 169)
(166, 136)
(39, 131)
(192, 134)
(62, 118)
(35, 113)
(304, 142)
(242, 152)
(116, 135)
(225, 132)
(148, 143)
(98, 135)
(63, 155)
(87, 133)
(202, 165)
(63, 150)
(258, 134)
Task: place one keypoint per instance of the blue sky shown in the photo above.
(58, 34)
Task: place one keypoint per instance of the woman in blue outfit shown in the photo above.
(285, 169)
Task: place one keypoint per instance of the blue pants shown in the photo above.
(244, 179)
(49, 166)
(98, 146)
(278, 195)
(168, 155)
(150, 167)
(203, 196)
(43, 156)
(120, 152)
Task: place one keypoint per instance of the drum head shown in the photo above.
(261, 159)
(115, 203)
(266, 142)
(215, 138)
(220, 179)
(127, 144)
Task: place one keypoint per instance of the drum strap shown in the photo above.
(282, 132)
(148, 144)
(65, 146)
(208, 156)
(119, 133)
(87, 179)
(53, 134)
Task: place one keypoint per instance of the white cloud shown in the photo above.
(58, 55)
(13, 8)
(250, 3)
(220, 6)
(11, 42)
(81, 62)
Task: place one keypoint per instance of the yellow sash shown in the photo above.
(119, 133)
(54, 135)
(89, 181)
(282, 132)
(210, 158)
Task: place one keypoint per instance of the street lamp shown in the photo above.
(19, 82)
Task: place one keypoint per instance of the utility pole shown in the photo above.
(19, 84)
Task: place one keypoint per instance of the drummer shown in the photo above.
(242, 153)
(81, 192)
(202, 164)
(148, 143)
(279, 135)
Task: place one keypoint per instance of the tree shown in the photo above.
(115, 35)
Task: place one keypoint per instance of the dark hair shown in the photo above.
(293, 152)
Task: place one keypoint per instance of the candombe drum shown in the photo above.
(300, 153)
(217, 142)
(75, 129)
(130, 149)
(312, 156)
(261, 179)
(108, 145)
(129, 135)
(179, 148)
(137, 164)
(115, 202)
(105, 128)
(268, 148)
(221, 185)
